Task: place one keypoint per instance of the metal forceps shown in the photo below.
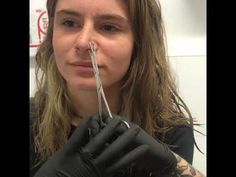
(100, 92)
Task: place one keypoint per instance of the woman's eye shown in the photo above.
(109, 28)
(69, 23)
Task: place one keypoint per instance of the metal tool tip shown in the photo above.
(92, 45)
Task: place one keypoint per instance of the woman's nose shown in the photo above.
(85, 35)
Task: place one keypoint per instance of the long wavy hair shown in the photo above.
(149, 94)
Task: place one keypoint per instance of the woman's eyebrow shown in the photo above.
(115, 17)
(68, 12)
(109, 16)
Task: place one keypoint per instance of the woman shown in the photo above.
(138, 85)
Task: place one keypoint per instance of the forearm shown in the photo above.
(183, 168)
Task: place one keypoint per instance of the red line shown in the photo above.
(39, 28)
(34, 45)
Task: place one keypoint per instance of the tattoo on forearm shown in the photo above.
(184, 169)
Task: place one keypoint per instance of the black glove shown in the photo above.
(92, 154)
(150, 154)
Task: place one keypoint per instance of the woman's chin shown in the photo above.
(83, 86)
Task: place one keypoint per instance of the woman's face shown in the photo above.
(105, 22)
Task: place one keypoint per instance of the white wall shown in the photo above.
(32, 76)
(191, 78)
(185, 22)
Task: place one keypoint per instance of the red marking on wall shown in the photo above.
(42, 24)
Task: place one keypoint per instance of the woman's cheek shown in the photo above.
(120, 65)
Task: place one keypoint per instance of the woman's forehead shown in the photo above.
(94, 7)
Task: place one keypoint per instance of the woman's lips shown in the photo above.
(79, 63)
(83, 67)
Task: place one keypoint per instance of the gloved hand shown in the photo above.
(101, 153)
(152, 155)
